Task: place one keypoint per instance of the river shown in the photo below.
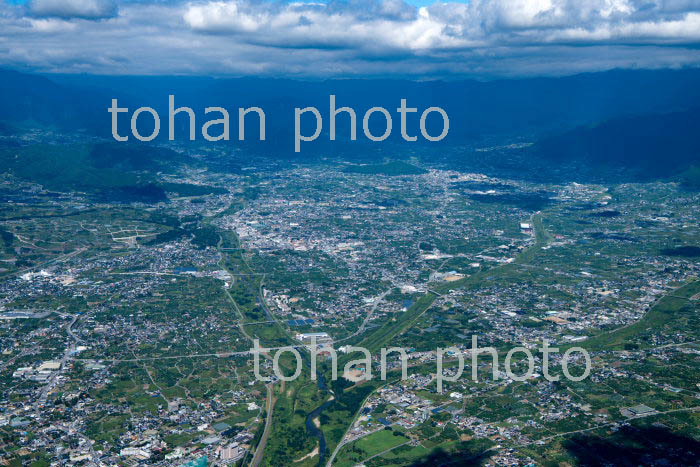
(316, 431)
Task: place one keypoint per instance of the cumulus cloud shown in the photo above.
(83, 9)
(350, 37)
(393, 23)
(389, 24)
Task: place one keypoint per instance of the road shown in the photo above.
(270, 400)
(269, 407)
(542, 237)
(57, 259)
(604, 425)
(70, 350)
(345, 441)
(362, 327)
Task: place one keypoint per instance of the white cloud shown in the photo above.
(393, 23)
(350, 37)
(52, 25)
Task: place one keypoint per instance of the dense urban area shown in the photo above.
(127, 315)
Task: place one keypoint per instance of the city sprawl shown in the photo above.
(126, 327)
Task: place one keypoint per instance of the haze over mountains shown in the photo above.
(644, 121)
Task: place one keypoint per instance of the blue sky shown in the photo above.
(417, 38)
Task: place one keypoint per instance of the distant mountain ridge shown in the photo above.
(653, 146)
(33, 100)
(644, 121)
(518, 106)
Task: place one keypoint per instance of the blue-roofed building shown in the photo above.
(201, 462)
(301, 322)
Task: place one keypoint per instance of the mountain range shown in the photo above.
(641, 122)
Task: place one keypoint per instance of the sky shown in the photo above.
(348, 38)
